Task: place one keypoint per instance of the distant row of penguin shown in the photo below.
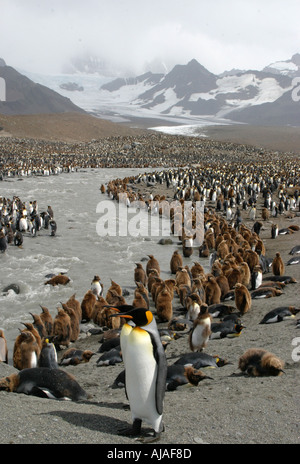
(18, 219)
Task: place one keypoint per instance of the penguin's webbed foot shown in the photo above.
(134, 431)
(154, 437)
(151, 438)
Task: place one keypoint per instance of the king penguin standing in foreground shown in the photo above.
(145, 369)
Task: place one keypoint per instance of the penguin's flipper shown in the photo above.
(160, 357)
(42, 392)
(30, 388)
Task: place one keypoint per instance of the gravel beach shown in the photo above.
(226, 408)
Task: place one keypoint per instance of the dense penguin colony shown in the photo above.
(242, 193)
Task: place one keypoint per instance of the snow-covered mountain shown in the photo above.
(289, 67)
(188, 94)
(191, 90)
(21, 95)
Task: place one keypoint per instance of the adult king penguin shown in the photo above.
(145, 369)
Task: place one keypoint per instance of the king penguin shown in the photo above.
(145, 369)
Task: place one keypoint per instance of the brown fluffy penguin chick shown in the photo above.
(278, 265)
(30, 327)
(183, 292)
(114, 299)
(212, 291)
(258, 362)
(265, 214)
(216, 269)
(204, 250)
(112, 323)
(222, 281)
(143, 291)
(61, 329)
(196, 270)
(116, 287)
(182, 278)
(194, 376)
(245, 273)
(163, 305)
(222, 250)
(234, 276)
(171, 285)
(87, 305)
(39, 325)
(47, 320)
(73, 357)
(152, 263)
(26, 351)
(197, 287)
(242, 298)
(155, 286)
(152, 276)
(140, 274)
(75, 329)
(76, 305)
(98, 306)
(176, 262)
(251, 258)
(3, 348)
(200, 332)
(58, 280)
(139, 301)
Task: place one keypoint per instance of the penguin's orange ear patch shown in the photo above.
(149, 316)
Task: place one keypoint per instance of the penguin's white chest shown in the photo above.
(201, 334)
(33, 360)
(193, 311)
(96, 288)
(140, 373)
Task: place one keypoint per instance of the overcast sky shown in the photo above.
(43, 35)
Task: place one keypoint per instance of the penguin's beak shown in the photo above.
(118, 313)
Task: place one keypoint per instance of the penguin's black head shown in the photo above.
(139, 316)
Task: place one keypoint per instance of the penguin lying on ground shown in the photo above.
(110, 358)
(179, 375)
(280, 314)
(228, 328)
(265, 292)
(293, 260)
(285, 279)
(72, 357)
(45, 383)
(220, 310)
(295, 250)
(258, 362)
(201, 360)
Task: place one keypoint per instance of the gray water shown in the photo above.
(77, 249)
